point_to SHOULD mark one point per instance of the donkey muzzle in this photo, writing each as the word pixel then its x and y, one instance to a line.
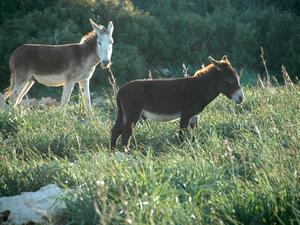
pixel 105 63
pixel 238 96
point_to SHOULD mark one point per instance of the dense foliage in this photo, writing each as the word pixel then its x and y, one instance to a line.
pixel 242 169
pixel 160 33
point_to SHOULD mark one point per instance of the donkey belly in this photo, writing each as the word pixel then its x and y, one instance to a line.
pixel 51 80
pixel 161 117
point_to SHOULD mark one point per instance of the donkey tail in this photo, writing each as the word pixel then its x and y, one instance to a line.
pixel 9 90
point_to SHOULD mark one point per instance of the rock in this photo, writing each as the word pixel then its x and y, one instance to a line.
pixel 32 102
pixel 165 72
pixel 39 207
pixel 99 101
pixel 2 102
pixel 160 72
pixel 44 101
pixel 48 101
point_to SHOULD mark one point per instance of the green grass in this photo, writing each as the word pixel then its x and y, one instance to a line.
pixel 243 168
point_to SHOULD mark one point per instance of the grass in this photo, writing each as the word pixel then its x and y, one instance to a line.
pixel 243 168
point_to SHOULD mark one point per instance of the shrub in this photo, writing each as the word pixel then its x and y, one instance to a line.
pixel 162 33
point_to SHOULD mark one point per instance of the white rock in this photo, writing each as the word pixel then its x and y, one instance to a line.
pixel 48 101
pixel 38 207
pixel 44 101
pixel 121 155
pixel 32 102
pixel 99 100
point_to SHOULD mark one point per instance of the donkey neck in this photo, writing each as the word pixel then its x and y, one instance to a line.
pixel 207 81
pixel 88 48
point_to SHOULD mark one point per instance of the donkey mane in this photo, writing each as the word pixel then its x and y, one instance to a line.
pixel 204 71
pixel 89 42
pixel 89 37
pixel 92 36
pixel 212 68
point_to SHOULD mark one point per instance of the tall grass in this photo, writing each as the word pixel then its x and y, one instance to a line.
pixel 243 167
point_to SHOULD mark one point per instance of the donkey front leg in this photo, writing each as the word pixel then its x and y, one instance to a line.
pixel 67 90
pixel 184 123
pixel 85 92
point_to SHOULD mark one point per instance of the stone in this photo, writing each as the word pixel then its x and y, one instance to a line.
pixel 2 102
pixel 39 207
pixel 48 101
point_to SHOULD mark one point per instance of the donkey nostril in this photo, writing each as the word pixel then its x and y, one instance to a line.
pixel 105 62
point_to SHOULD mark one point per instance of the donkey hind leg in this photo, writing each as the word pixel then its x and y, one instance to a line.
pixel 116 130
pixel 85 92
pixel 18 90
pixel 67 90
pixel 193 125
pixel 126 135
pixel 25 90
pixel 128 129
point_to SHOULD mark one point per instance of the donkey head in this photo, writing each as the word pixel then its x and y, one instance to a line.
pixel 229 83
pixel 104 42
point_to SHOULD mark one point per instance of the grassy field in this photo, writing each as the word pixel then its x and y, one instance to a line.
pixel 243 168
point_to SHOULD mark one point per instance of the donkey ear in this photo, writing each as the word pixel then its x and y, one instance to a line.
pixel 95 26
pixel 215 62
pixel 225 58
pixel 110 27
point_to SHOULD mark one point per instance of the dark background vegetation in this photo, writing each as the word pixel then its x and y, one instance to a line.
pixel 161 33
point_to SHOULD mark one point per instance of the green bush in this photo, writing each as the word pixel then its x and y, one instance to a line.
pixel 165 33
pixel 128 63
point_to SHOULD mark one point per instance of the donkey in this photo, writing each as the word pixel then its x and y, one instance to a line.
pixel 61 65
pixel 167 100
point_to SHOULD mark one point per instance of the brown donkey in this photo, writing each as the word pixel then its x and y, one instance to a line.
pixel 60 65
pixel 167 100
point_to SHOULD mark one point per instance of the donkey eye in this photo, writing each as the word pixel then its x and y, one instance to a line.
pixel 100 43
